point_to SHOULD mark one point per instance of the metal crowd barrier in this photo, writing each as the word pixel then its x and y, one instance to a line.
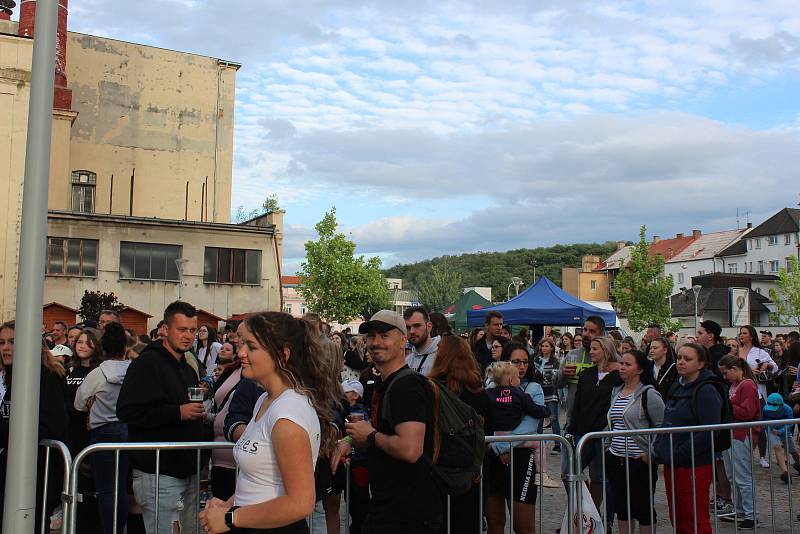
pixel 573 479
pixel 66 498
pixel 578 478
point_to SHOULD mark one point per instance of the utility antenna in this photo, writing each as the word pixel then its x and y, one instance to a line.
pixel 737 219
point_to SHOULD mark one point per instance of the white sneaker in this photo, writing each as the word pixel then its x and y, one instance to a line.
pixel 763 462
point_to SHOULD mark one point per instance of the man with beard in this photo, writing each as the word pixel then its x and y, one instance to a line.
pixel 423 353
pixel 154 401
pixel 403 497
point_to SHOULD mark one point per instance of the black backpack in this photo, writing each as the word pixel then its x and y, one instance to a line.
pixel 458 438
pixel 722 438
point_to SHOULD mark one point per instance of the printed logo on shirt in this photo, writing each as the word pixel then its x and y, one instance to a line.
pixel 74 380
pixel 505 396
pixel 249 446
pixel 5 409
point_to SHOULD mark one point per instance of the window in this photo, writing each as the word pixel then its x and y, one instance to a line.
pixel 701 273
pixel 232 266
pixel 149 261
pixel 772 240
pixel 287 308
pixel 751 266
pixel 787 239
pixel 758 243
pixel 774 265
pixel 71 257
pixel 761 266
pixel 83 184
pixel 593 285
pixel 680 278
pixel 788 265
pixel 733 267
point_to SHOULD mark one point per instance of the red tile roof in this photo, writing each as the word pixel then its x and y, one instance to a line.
pixel 290 280
pixel 670 247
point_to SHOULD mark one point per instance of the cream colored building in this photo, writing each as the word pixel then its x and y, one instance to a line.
pixel 141 172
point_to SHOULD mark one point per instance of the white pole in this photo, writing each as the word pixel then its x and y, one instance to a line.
pixel 20 496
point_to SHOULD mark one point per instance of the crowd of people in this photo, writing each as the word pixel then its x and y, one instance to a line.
pixel 299 402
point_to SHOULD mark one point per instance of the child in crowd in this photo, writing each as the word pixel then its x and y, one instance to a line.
pixel 774 410
pixel 510 405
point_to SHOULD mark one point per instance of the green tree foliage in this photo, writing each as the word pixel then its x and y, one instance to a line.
pixel 495 269
pixel 335 283
pixel 439 288
pixel 269 205
pixel 787 295
pixel 93 302
pixel 642 291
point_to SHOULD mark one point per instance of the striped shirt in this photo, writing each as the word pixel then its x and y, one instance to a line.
pixel 617 447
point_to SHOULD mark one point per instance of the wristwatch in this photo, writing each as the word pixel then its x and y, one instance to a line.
pixel 229 517
pixel 371 438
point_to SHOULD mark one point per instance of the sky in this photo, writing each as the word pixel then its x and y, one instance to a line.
pixel 440 127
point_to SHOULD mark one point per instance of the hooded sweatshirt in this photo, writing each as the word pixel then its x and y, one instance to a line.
pixel 715 354
pixel 422 362
pixel 155 387
pixel 103 383
pixel 678 412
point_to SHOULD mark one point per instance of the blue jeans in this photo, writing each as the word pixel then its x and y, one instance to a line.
pixel 739 469
pixel 177 502
pixel 104 476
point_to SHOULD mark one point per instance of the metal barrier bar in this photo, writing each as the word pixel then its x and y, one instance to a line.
pixel 66 496
pixel 738 474
pixel 566 448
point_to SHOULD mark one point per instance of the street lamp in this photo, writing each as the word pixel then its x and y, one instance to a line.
pixel 516 281
pixel 696 289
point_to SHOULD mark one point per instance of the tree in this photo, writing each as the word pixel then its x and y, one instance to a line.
pixel 786 297
pixel 642 291
pixel 269 205
pixel 439 289
pixel 335 283
pixel 93 302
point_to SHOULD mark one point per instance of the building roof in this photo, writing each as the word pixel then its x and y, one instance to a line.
pixel 290 280
pixel 786 221
pixel 707 246
pixel 712 299
pixel 209 314
pixel 102 218
pixel 131 309
pixel 668 248
pixel 59 305
pixel 617 260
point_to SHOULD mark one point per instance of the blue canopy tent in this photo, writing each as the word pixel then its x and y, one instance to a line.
pixel 544 303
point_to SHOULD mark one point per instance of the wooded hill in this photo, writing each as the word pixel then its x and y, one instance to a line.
pixel 495 269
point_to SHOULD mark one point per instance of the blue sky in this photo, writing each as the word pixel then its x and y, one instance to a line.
pixel 443 127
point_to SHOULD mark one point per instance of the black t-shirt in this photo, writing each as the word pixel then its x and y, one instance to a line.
pixel 403 493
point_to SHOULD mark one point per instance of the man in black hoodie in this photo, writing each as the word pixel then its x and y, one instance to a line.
pixel 154 401
pixel 709 334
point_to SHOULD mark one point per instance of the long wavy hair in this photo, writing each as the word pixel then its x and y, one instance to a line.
pixel 309 370
pixel 456 365
pixel 96 357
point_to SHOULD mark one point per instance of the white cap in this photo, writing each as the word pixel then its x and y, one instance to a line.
pixel 353 385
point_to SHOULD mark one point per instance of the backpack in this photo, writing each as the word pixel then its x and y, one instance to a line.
pixel 722 438
pixel 458 446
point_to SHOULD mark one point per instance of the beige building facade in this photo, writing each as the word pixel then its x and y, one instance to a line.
pixel 141 163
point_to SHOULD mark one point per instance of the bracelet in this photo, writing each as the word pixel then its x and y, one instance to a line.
pixel 371 438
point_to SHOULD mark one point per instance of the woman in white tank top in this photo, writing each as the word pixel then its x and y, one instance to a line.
pixel 277 452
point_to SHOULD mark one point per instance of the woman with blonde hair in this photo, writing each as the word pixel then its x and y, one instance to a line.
pixel 590 408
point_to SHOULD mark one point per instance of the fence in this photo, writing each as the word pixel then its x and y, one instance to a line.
pixel 66 457
pixel 730 455
pixel 573 478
